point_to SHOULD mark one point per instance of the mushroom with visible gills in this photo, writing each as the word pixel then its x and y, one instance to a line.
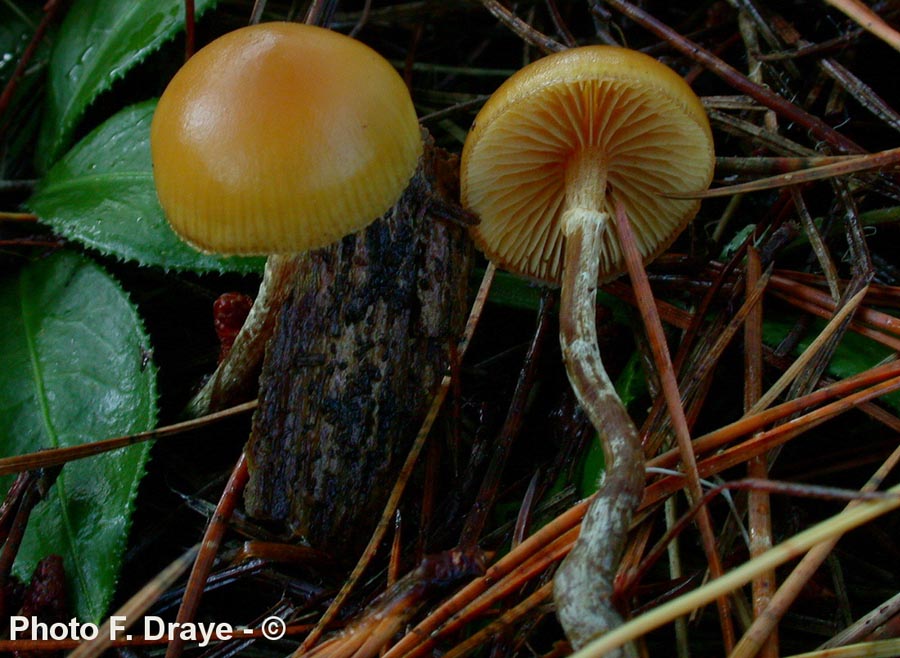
pixel 551 154
pixel 276 139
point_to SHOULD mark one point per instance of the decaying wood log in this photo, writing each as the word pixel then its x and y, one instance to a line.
pixel 359 347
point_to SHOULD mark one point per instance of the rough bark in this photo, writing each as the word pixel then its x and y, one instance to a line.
pixel 359 347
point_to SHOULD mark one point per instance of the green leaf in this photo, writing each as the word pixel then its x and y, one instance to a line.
pixel 870 220
pixel 512 291
pixel 102 195
pixel 99 41
pixel 76 369
pixel 735 243
pixel 854 355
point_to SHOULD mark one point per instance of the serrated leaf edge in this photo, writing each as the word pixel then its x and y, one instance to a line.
pixel 64 136
pixel 152 414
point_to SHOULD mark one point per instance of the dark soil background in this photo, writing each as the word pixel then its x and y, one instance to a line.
pixel 453 54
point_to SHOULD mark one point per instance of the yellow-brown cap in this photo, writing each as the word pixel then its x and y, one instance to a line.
pixel 624 106
pixel 281 137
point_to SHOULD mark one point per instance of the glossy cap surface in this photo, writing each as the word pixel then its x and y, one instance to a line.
pixel 282 137
pixel 632 111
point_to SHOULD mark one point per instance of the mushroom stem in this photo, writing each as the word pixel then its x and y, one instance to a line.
pixel 583 585
pixel 585 187
pixel 236 375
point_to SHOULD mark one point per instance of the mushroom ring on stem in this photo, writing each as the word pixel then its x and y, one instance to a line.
pixel 549 157
pixel 276 139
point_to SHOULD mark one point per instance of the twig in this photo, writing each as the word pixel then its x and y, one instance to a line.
pixel 748 484
pixel 878 295
pixel 50 10
pixel 397 492
pixel 484 594
pixel 18 217
pixel 765 441
pixel 676 572
pixel 759 513
pixel 392 609
pixel 865 624
pixel 818 245
pixel 541 546
pixel 792 288
pixel 673 401
pixel 766 623
pixel 836 526
pixel 809 353
pixel 212 539
pixel 554 539
pixel 862 93
pixel 57 456
pixel 868 20
pixel 560 24
pixel 522 29
pixel 733 77
pixel 501 624
pixel 363 18
pixel 873 161
pixel 137 605
pixel 487 494
pixel 843 391
pixel 877 649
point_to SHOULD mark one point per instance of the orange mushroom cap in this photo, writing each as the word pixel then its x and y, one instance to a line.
pixel 282 137
pixel 636 115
